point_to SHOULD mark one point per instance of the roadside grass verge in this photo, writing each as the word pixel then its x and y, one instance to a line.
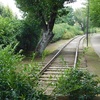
pixel 93 61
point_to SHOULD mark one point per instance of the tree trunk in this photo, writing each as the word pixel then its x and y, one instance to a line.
pixel 47 34
pixel 82 27
pixel 46 38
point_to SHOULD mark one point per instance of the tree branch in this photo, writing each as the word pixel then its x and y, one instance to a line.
pixel 43 22
pixel 52 19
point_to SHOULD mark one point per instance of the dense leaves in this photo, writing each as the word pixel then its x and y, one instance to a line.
pixel 45 11
pixel 65 31
pixel 8 26
pixel 95 12
pixel 78 85
pixel 8 31
pixel 81 18
pixel 65 15
pixel 5 12
pixel 40 8
pixel 28 36
pixel 12 30
pixel 16 84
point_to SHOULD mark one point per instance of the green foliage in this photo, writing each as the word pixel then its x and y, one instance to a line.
pixel 45 53
pixel 28 36
pixel 45 6
pixel 25 32
pixel 67 35
pixel 5 12
pixel 80 18
pixel 65 15
pixel 8 29
pixel 65 31
pixel 15 84
pixel 58 31
pixel 8 26
pixel 45 12
pixel 97 29
pixel 92 30
pixel 95 12
pixel 42 10
pixel 78 85
pixel 7 57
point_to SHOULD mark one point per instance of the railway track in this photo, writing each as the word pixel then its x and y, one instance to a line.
pixel 66 57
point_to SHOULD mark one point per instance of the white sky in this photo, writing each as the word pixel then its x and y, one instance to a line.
pixel 11 4
pixel 77 4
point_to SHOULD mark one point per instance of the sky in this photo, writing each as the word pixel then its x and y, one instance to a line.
pixel 77 4
pixel 12 6
pixel 16 11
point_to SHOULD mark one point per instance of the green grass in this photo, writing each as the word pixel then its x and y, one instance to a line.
pixel 93 61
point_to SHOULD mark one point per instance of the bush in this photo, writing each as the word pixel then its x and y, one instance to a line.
pixel 65 31
pixel 58 31
pixel 67 35
pixel 28 37
pixel 7 30
pixel 8 26
pixel 15 84
pixel 78 85
pixel 27 33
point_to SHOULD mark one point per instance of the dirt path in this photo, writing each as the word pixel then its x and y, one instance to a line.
pixel 55 46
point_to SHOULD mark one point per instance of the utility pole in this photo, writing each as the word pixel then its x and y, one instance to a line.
pixel 87 30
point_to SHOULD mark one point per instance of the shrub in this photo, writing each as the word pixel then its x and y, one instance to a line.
pixel 65 31
pixel 8 29
pixel 67 35
pixel 79 85
pixel 58 31
pixel 28 37
pixel 16 84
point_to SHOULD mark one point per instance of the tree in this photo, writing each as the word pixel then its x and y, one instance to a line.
pixel 65 15
pixel 95 12
pixel 45 11
pixel 80 18
pixel 5 12
pixel 27 36
pixel 8 26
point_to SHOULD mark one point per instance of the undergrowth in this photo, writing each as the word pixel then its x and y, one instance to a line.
pixel 65 31
pixel 17 83
pixel 78 85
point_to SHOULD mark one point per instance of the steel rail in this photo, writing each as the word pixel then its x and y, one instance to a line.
pixel 50 70
pixel 77 51
pixel 47 65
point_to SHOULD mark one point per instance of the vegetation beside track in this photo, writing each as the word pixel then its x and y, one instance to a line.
pixel 65 31
pixel 17 81
pixel 77 85
pixel 93 60
pixel 93 67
